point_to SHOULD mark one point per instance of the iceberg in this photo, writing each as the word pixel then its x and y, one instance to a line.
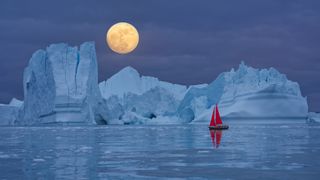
pixel 265 93
pixel 61 86
pixel 134 99
pixel 110 111
pixel 128 80
pixel 9 114
pixel 16 102
pixel 199 99
pixel 155 103
pixel 247 93
pixel 313 117
pixel 135 108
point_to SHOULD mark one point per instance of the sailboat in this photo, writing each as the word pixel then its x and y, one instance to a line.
pixel 216 122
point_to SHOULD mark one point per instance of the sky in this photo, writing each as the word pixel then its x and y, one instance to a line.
pixel 186 42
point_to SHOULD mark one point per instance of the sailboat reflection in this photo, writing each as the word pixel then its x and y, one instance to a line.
pixel 216 136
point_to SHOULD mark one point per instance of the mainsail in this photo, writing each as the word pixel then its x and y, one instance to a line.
pixel 218 118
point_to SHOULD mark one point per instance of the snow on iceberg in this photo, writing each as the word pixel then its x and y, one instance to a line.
pixel 248 93
pixel 61 85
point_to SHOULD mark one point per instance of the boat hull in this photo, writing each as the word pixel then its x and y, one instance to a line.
pixel 221 127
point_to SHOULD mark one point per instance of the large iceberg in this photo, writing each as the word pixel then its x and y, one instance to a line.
pixel 246 93
pixel 61 86
pixel 135 99
pixel 264 93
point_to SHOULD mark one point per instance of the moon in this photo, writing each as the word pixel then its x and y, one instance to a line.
pixel 122 38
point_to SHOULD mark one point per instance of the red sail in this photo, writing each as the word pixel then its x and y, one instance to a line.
pixel 213 123
pixel 218 118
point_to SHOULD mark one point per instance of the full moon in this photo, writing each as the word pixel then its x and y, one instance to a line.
pixel 122 38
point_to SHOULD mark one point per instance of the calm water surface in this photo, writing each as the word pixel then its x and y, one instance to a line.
pixel 248 150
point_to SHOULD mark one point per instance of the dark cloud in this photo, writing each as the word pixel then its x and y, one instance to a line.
pixel 186 42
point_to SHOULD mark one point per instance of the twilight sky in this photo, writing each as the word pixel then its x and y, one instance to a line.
pixel 186 41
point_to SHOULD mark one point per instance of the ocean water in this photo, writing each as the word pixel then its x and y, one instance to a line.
pixel 248 150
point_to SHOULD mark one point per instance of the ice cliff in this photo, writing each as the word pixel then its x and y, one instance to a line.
pixel 61 86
